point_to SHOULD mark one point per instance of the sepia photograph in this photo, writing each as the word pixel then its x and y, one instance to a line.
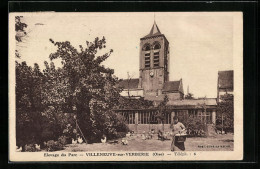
pixel 125 86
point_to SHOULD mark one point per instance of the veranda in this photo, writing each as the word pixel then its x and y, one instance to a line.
pixel 140 120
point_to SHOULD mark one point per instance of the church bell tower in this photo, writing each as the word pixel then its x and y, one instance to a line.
pixel 154 62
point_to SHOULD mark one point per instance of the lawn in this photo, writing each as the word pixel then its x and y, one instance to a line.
pixel 135 143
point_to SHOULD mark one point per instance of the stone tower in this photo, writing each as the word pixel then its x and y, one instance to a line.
pixel 154 62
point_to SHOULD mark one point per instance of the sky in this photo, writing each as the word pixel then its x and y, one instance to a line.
pixel 201 43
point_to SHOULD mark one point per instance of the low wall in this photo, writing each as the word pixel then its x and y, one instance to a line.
pixel 140 128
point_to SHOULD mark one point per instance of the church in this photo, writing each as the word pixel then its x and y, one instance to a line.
pixel 153 84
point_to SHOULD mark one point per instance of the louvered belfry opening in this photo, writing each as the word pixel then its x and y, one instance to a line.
pixel 147 60
pixel 156 59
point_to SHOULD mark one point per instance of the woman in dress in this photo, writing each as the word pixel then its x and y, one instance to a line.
pixel 177 127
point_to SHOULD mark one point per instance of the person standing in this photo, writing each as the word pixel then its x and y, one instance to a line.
pixel 177 127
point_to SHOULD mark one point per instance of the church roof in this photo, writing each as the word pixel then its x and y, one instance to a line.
pixel 129 84
pixel 155 31
pixel 173 86
pixel 225 79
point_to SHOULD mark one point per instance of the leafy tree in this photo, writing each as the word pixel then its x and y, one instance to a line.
pixel 19 28
pixel 162 110
pixel 195 127
pixel 28 103
pixel 225 113
pixel 90 86
pixel 20 32
pixel 47 101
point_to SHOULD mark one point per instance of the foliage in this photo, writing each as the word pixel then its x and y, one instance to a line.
pixel 225 108
pixel 53 145
pixel 29 148
pixel 90 87
pixel 19 28
pixel 162 111
pixel 129 103
pixel 28 103
pixel 194 126
pixel 63 140
pixel 49 102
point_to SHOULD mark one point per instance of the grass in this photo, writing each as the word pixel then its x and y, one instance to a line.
pixel 135 143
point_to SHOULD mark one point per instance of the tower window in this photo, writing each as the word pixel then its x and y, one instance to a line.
pixel 156 59
pixel 147 60
pixel 157 46
pixel 147 47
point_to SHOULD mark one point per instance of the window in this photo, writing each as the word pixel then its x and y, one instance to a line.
pixel 168 118
pixel 157 46
pixel 209 116
pixel 205 116
pixel 156 59
pixel 147 60
pixel 146 47
pixel 193 113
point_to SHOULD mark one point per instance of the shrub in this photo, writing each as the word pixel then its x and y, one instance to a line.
pixel 120 134
pixel 63 140
pixel 117 127
pixel 29 148
pixel 53 145
pixel 194 126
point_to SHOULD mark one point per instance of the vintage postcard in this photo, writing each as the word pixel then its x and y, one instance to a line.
pixel 125 86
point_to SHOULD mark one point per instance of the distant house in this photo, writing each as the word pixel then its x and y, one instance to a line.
pixel 225 83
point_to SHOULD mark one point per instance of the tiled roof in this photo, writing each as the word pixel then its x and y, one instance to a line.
pixel 193 102
pixel 225 79
pixel 171 86
pixel 129 84
pixel 154 98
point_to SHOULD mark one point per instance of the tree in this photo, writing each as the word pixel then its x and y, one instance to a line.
pixel 20 32
pixel 225 113
pixel 19 28
pixel 162 110
pixel 91 86
pixel 204 107
pixel 28 103
pixel 189 96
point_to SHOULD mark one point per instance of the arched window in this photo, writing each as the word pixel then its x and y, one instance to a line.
pixel 156 45
pixel 146 47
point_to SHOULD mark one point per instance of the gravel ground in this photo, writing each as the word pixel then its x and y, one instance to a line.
pixel 135 143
